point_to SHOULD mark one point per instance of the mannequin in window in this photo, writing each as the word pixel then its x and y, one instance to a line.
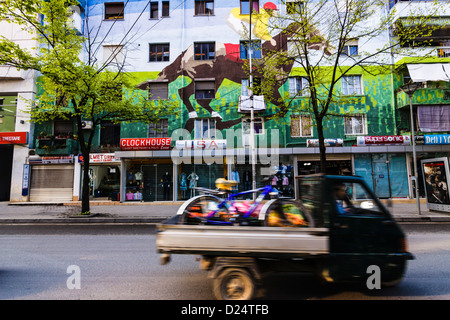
pixel 235 177
pixel 183 185
pixel 166 180
pixel 247 180
pixel 193 177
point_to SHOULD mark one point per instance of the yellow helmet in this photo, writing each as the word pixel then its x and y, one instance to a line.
pixel 223 184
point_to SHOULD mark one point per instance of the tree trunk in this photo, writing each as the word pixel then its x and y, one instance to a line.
pixel 322 148
pixel 85 186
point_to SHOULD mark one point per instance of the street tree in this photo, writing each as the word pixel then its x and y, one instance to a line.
pixel 72 85
pixel 330 39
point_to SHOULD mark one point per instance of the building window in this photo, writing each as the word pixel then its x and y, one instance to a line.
pixel 301 126
pixel 204 50
pixel 245 87
pixel 205 90
pixel 351 48
pixel 153 10
pixel 204 7
pixel 165 9
pixel 205 129
pixel 114 10
pixel 159 52
pixel 109 133
pixel 256 46
pixel 245 6
pixel 298 86
pixel 351 85
pixel 62 127
pixel 158 91
pixel 258 124
pixel 355 124
pixel 159 129
pixel 113 54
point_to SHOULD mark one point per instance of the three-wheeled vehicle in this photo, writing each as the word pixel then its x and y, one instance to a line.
pixel 351 232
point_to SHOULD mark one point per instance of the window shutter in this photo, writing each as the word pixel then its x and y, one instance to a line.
pixel 158 91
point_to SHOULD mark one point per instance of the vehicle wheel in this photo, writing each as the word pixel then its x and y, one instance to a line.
pixel 288 213
pixel 234 284
pixel 395 278
pixel 199 208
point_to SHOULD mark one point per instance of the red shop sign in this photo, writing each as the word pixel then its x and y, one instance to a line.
pixel 13 137
pixel 133 144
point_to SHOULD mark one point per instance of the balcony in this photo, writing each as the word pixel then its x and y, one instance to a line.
pixel 406 9
pixel 11 73
pixel 425 96
pixel 443 52
pixel 60 145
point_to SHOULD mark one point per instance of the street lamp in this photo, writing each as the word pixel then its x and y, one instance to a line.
pixel 409 89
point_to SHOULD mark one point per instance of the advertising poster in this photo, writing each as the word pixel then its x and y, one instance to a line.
pixel 436 177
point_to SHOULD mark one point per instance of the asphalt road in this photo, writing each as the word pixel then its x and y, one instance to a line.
pixel 121 262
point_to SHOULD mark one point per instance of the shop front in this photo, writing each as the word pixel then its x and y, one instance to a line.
pixel 51 178
pixel 104 176
pixel 148 179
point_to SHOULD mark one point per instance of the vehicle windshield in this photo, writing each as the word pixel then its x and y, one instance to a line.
pixel 354 198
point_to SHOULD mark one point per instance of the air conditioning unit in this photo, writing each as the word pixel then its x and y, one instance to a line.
pixel 86 124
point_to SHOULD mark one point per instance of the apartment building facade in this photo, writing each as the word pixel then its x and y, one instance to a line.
pixel 193 52
pixel 17 89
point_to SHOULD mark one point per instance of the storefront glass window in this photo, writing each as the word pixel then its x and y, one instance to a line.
pixel 149 181
pixel 104 182
pixel 198 175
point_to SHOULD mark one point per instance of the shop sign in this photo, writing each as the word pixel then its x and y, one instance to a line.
pixel 13 137
pixel 382 140
pixel 328 142
pixel 134 144
pixel 58 159
pixel 99 157
pixel 51 159
pixel 437 139
pixel 25 179
pixel 201 144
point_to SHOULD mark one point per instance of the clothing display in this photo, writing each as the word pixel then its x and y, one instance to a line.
pixel 193 177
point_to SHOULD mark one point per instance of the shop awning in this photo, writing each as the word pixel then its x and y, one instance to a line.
pixel 429 72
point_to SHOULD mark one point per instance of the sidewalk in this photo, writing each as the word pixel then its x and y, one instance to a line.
pixel 404 211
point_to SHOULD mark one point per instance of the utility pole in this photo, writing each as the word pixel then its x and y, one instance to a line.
pixel 409 89
pixel 252 114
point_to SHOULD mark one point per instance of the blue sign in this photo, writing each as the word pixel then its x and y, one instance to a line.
pixel 25 179
pixel 437 138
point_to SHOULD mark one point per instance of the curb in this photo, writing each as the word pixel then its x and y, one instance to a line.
pixel 156 220
pixel 93 220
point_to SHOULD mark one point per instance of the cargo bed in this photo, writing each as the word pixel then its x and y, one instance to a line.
pixel 242 241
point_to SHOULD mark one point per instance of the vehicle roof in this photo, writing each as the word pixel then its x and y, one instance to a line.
pixel 331 177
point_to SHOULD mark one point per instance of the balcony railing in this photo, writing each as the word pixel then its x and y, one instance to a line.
pixel 56 146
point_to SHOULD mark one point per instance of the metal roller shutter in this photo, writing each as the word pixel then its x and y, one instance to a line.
pixel 53 183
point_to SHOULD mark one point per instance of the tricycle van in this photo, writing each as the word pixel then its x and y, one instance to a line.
pixel 351 233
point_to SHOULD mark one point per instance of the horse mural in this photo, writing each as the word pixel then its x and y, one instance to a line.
pixel 226 65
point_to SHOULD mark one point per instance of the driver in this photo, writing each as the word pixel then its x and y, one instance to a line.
pixel 342 201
